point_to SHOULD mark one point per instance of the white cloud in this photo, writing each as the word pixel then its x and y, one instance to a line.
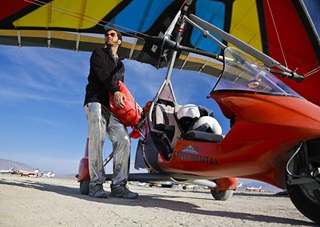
pixel 39 74
pixel 47 65
pixel 14 95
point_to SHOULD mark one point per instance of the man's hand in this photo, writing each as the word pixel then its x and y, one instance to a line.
pixel 135 134
pixel 119 99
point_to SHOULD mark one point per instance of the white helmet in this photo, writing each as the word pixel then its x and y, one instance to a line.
pixel 187 115
pixel 207 124
pixel 189 110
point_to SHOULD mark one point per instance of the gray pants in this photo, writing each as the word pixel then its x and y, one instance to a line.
pixel 101 123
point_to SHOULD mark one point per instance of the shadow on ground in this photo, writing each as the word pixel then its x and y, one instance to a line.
pixel 155 201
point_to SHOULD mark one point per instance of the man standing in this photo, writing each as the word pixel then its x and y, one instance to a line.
pixel 105 70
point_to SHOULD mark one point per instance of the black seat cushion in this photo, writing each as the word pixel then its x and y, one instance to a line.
pixel 203 136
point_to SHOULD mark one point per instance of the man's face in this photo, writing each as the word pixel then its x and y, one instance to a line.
pixel 111 38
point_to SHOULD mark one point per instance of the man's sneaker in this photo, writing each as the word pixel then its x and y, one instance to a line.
pixel 97 191
pixel 122 191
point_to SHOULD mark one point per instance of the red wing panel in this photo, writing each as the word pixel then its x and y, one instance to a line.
pixel 286 33
pixel 11 8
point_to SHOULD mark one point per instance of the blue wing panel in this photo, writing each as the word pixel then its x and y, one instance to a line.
pixel 140 15
pixel 313 8
pixel 213 12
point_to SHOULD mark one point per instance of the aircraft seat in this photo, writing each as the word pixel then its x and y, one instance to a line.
pixel 165 121
pixel 166 128
pixel 203 136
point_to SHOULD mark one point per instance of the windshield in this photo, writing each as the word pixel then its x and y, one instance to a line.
pixel 242 73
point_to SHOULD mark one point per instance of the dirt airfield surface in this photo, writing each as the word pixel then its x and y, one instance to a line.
pixel 29 201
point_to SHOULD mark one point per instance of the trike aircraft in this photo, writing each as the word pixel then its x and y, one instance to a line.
pixel 265 55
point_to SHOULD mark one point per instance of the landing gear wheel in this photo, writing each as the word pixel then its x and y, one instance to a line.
pixel 84 187
pixel 305 200
pixel 303 179
pixel 222 195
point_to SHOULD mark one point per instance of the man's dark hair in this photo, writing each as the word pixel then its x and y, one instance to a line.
pixel 113 29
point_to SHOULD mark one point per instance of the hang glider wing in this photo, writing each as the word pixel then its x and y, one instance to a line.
pixel 286 30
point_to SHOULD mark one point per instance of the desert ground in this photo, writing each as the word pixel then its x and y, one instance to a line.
pixel 30 201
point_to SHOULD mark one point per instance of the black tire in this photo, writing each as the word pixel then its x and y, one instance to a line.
pixel 305 195
pixel 84 187
pixel 222 195
pixel 303 200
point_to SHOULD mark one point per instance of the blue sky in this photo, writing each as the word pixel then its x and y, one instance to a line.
pixel 41 99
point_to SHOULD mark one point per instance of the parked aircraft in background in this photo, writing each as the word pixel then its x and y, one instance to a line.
pixel 49 174
pixel 190 186
pixel 167 184
pixel 254 189
pixel 3 171
pixel 35 173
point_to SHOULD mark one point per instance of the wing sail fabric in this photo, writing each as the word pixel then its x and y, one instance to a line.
pixel 286 30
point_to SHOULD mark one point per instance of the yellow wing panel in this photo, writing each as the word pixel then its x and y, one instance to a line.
pixel 68 14
pixel 245 23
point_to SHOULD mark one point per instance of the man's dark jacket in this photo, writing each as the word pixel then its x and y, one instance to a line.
pixel 104 73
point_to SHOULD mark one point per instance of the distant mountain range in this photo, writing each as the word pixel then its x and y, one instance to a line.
pixel 7 164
